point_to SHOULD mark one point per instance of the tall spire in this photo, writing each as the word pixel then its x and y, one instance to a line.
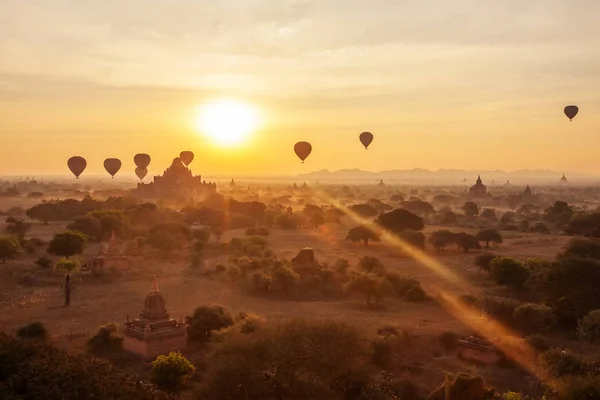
pixel 154 288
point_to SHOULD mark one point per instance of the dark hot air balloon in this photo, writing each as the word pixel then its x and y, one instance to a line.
pixel 571 111
pixel 141 160
pixel 186 157
pixel 302 150
pixel 141 173
pixel 112 166
pixel 77 165
pixel 366 138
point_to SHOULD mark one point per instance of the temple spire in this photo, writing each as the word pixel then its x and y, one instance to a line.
pixel 154 288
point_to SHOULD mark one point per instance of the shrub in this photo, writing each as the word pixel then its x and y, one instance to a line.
pixel 406 288
pixel 584 248
pixel 382 352
pixel 501 309
pixel 561 362
pixel 44 262
pixel 509 272
pixel 539 227
pixel 371 286
pixel 538 343
pixel 35 330
pixel 483 261
pixel 577 388
pixel 489 235
pixel 170 372
pixel 250 322
pixel 534 318
pixel 105 341
pixel 235 245
pixel 370 264
pixel 207 319
pixel 449 340
pixel 589 327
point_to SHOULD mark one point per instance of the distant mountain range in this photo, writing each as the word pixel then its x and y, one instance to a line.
pixel 446 176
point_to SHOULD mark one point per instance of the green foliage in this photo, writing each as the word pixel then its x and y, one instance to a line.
pixel 559 214
pixel 461 386
pixel 585 224
pixel 18 228
pixel 539 227
pixel 67 244
pixel 250 322
pixel 370 264
pixel 260 231
pixel 418 206
pixel 534 318
pixel 105 341
pixel 583 248
pixel 364 210
pixel 399 220
pixel 571 288
pixel 67 265
pixel 466 241
pixel 538 343
pixel 559 363
pixel 36 370
pixel 201 235
pixel 286 221
pixel 89 225
pixel 471 209
pixel 10 247
pixel 488 213
pixel 509 272
pixel 484 261
pixel 295 361
pixel 412 238
pixel 44 262
pixel 46 212
pixel 34 330
pixel 373 287
pixel 489 235
pixel 589 327
pixel 362 234
pixel 171 372
pixel 575 387
pixel 207 319
pixel 163 241
pixel 441 239
pixel 406 288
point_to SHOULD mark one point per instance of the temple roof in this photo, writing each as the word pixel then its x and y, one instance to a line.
pixel 154 305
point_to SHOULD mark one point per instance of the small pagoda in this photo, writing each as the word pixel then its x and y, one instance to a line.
pixel 154 332
pixel 563 179
pixel 479 190
pixel 113 257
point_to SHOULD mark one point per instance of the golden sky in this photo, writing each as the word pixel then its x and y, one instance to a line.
pixel 468 84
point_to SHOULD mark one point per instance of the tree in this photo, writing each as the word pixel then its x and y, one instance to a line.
pixel 418 206
pixel 18 228
pixel 363 234
pixel 364 210
pixel 105 341
pixel 371 286
pixel 540 227
pixel 441 239
pixel 534 318
pixel 571 288
pixel 488 213
pixel 207 319
pixel 489 235
pixel 45 212
pixel 34 330
pixel 585 224
pixel 508 217
pixel 400 219
pixel 89 225
pixel 164 241
pixel 470 209
pixel 67 266
pixel 466 241
pixel 559 213
pixel 483 261
pixel 9 247
pixel 170 372
pixel 509 272
pixel 412 238
pixel 67 244
pixel 202 235
pixel 370 265
pixel 589 327
pixel 582 248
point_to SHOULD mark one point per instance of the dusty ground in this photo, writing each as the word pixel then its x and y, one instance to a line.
pixel 96 302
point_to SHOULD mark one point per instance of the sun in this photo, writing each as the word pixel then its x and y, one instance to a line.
pixel 226 122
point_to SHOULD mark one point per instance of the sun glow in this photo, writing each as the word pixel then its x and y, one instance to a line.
pixel 227 122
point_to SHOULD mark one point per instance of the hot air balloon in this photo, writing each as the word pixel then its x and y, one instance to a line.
pixel 302 150
pixel 366 138
pixel 112 166
pixel 141 173
pixel 141 160
pixel 77 165
pixel 186 157
pixel 571 111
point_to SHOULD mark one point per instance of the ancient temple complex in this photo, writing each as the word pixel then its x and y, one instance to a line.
pixel 113 256
pixel 154 332
pixel 563 179
pixel 176 181
pixel 528 196
pixel 479 190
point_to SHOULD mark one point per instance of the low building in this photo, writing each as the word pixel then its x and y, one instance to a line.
pixel 113 257
pixel 154 332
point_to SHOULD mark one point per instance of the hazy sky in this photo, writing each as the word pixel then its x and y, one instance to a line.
pixel 470 84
